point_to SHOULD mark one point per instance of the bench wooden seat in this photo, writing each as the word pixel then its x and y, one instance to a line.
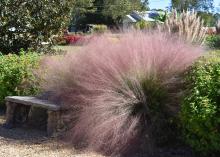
pixel 53 111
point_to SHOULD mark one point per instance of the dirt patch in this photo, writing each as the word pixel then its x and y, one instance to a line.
pixel 26 142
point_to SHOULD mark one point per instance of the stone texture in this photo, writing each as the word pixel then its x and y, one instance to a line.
pixel 33 101
pixel 37 118
pixel 29 109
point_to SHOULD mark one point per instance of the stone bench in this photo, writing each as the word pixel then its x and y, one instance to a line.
pixel 53 111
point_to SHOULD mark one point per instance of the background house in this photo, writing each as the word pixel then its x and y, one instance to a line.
pixel 136 16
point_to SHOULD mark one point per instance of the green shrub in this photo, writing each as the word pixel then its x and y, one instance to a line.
pixel 17 76
pixel 200 112
pixel 99 28
pixel 30 23
pixel 144 25
pixel 213 41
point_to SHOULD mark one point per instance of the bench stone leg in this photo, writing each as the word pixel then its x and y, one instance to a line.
pixel 10 115
pixel 52 122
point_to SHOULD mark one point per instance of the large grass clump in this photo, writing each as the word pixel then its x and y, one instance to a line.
pixel 119 92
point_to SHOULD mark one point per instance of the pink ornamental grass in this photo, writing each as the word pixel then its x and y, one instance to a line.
pixel 108 85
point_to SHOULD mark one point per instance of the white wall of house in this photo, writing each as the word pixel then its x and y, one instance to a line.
pixel 135 16
pixel 128 22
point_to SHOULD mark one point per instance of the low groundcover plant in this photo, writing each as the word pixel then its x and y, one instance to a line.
pixel 118 92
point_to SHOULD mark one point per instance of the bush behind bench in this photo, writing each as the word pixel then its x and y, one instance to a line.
pixel 17 74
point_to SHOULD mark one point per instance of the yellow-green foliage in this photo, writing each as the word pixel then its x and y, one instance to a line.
pixel 144 25
pixel 16 74
pixel 99 28
pixel 200 113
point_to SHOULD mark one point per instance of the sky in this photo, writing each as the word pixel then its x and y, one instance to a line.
pixel 162 4
pixel 159 4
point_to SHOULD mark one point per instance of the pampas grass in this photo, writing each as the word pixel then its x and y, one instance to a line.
pixel 187 25
pixel 115 91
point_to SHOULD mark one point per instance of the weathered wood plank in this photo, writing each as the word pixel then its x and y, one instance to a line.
pixel 33 101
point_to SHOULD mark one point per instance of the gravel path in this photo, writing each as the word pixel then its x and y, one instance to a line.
pixel 24 142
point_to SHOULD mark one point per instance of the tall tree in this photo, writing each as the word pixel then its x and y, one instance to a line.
pixel 199 5
pixel 209 18
pixel 112 11
pixel 80 8
pixel 117 9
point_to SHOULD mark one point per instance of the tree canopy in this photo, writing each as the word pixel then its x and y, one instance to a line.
pixel 105 11
pixel 199 5
pixel 81 7
pixel 29 23
pixel 208 18
pixel 117 9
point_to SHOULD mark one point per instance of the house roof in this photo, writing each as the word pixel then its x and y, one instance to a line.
pixel 130 18
pixel 147 16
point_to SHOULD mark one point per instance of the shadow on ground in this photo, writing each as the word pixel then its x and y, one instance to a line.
pixel 25 134
pixel 28 137
pixel 28 142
